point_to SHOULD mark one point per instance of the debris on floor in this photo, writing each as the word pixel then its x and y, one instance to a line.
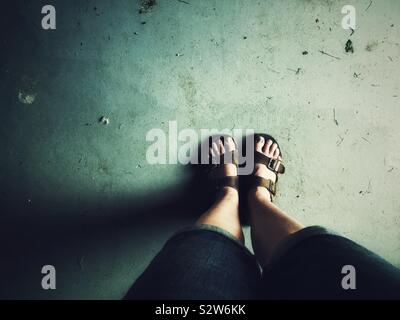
pixel 339 142
pixel 26 93
pixel 349 46
pixel 368 190
pixel 329 55
pixel 146 5
pixel 297 72
pixel 305 53
pixel 26 98
pixel 370 4
pixel 371 46
pixel 334 117
pixel 104 120
pixel 366 140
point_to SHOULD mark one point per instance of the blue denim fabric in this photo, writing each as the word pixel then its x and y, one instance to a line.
pixel 202 262
pixel 308 265
pixel 206 262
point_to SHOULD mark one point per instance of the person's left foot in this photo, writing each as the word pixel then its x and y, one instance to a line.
pixel 271 150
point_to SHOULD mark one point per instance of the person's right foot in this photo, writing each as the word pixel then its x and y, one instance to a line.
pixel 225 169
pixel 271 150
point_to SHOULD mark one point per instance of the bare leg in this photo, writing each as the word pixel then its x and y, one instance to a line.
pixel 224 213
pixel 269 224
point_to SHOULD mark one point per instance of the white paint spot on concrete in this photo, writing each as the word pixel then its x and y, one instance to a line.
pixel 26 98
pixel 104 120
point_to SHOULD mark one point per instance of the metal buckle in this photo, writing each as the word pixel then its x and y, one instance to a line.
pixel 272 187
pixel 273 164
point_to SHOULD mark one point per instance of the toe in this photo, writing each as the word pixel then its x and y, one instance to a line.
pixel 273 149
pixel 267 147
pixel 276 153
pixel 215 149
pixel 259 143
pixel 212 153
pixel 221 147
pixel 230 144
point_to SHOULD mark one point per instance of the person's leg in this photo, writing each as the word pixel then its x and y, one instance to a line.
pixel 308 263
pixel 224 213
pixel 269 224
pixel 207 261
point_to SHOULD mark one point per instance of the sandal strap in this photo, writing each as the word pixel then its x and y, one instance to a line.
pixel 257 181
pixel 274 165
pixel 231 181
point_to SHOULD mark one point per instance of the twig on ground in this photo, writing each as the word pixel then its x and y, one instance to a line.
pixel 334 117
pixel 327 54
pixel 366 140
pixel 370 4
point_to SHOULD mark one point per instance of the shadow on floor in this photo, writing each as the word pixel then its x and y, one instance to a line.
pixel 30 242
pixel 34 236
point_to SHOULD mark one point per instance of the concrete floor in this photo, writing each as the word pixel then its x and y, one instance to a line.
pixel 80 195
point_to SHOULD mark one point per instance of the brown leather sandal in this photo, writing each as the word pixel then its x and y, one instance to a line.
pixel 219 183
pixel 251 181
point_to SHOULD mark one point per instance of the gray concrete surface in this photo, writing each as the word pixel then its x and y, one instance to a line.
pixel 80 195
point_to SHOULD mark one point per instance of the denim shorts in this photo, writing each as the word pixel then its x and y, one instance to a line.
pixel 207 263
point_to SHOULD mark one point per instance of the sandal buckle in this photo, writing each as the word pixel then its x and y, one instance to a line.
pixel 273 164
pixel 272 187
